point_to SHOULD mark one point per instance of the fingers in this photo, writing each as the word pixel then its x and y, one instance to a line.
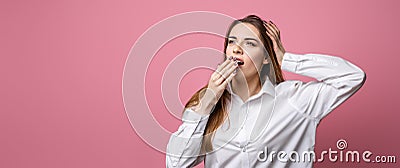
pixel 227 67
pixel 278 35
pixel 274 33
pixel 222 66
pixel 227 80
pixel 275 45
pixel 223 72
pixel 272 30
pixel 226 73
pixel 217 73
pixel 276 29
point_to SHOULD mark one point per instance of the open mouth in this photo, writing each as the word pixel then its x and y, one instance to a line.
pixel 239 62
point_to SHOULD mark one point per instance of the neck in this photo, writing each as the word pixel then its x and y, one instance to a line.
pixel 245 87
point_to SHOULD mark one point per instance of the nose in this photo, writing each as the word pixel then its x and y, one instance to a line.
pixel 237 49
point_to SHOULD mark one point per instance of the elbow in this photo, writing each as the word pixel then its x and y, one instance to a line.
pixel 364 77
pixel 360 78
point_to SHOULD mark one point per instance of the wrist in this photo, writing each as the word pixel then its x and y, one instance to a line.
pixel 280 60
pixel 204 107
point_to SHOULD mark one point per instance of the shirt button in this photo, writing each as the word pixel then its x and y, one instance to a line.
pixel 244 149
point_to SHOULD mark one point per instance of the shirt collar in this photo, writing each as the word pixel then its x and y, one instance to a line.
pixel 267 87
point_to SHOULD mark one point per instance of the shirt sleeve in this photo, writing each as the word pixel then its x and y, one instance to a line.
pixel 337 80
pixel 183 149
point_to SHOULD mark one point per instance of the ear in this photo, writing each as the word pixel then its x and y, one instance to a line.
pixel 266 61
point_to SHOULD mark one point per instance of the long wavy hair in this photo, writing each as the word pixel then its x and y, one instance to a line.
pixel 219 112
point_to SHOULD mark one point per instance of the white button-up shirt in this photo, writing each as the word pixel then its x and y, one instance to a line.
pixel 271 127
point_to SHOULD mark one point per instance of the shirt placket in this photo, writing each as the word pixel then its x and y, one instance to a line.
pixel 244 137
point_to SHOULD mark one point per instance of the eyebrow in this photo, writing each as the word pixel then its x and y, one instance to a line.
pixel 248 38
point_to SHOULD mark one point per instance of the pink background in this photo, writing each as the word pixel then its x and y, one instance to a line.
pixel 61 75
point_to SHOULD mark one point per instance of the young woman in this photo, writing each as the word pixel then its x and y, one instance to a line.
pixel 248 116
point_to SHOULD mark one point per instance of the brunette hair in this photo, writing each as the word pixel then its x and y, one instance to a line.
pixel 219 112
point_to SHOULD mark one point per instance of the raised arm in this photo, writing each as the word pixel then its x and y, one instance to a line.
pixel 337 80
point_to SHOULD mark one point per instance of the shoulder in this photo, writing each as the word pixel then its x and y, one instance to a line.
pixel 298 93
pixel 290 88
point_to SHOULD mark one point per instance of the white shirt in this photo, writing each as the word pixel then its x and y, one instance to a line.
pixel 281 118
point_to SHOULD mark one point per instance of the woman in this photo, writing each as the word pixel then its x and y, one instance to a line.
pixel 248 116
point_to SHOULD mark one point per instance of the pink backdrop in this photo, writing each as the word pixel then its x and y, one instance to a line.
pixel 62 63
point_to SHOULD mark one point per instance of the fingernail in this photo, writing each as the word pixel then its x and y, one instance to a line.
pixel 230 58
pixel 235 71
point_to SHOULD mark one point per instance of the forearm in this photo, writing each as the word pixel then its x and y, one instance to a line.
pixel 331 70
pixel 185 144
pixel 337 80
pixel 206 105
